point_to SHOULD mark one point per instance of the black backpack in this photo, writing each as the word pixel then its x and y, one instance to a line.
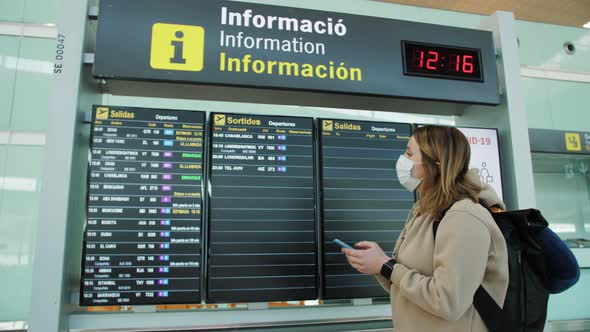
pixel 525 306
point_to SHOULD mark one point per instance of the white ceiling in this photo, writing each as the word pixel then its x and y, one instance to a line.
pixel 563 12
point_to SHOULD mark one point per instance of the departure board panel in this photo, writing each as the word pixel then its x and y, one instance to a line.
pixel 362 198
pixel 142 243
pixel 262 231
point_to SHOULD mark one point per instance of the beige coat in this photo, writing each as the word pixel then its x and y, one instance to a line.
pixel 432 287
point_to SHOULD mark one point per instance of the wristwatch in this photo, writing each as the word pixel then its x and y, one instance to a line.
pixel 387 268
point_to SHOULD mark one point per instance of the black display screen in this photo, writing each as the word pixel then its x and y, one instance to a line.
pixel 262 231
pixel 440 61
pixel 142 243
pixel 362 198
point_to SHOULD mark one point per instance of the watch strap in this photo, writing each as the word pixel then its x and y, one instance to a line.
pixel 387 268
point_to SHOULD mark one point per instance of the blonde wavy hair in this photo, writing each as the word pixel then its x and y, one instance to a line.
pixel 446 154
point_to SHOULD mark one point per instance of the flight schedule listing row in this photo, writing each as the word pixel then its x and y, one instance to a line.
pixel 142 242
pixel 362 199
pixel 262 235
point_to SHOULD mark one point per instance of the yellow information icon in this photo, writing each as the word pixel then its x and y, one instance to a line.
pixel 327 125
pixel 177 47
pixel 219 119
pixel 573 142
pixel 102 113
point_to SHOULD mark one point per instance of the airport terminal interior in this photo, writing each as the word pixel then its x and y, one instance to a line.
pixel 185 165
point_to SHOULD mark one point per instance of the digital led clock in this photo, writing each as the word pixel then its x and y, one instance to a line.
pixel 441 61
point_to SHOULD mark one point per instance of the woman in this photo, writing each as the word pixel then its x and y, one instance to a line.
pixel 432 282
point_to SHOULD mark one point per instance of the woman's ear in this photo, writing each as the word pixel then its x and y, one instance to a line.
pixel 436 169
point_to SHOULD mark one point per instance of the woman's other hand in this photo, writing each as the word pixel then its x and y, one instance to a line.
pixel 368 258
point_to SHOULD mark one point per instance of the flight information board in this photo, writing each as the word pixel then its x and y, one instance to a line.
pixel 362 198
pixel 262 231
pixel 142 243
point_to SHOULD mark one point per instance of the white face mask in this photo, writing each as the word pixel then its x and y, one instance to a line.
pixel 404 173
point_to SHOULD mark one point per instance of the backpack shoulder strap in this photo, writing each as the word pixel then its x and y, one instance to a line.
pixel 489 311
pixel 436 223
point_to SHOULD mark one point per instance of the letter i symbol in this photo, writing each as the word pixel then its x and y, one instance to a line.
pixel 169 43
pixel 178 49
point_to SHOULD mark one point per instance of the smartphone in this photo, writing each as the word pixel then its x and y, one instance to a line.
pixel 342 244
